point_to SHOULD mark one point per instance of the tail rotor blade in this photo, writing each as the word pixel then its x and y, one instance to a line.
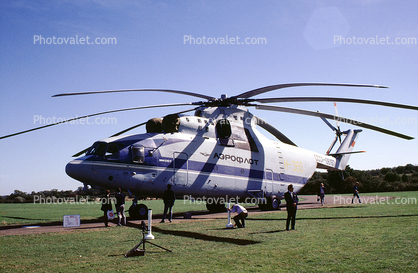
pixel 332 145
pixel 337 123
pixel 328 123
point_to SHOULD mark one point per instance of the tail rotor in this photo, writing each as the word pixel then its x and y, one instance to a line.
pixel 335 128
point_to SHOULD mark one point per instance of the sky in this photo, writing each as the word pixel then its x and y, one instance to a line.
pixel 52 47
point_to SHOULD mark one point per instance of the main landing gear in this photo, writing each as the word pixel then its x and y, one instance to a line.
pixel 138 211
pixel 273 203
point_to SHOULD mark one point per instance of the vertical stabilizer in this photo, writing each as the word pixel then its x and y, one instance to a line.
pixel 344 151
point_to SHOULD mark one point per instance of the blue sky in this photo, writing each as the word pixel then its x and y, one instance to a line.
pixel 300 41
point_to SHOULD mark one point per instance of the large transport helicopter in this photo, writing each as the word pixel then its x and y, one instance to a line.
pixel 217 154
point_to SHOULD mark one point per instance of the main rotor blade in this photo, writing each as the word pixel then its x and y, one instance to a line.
pixel 126 130
pixel 272 130
pixel 138 125
pixel 138 90
pixel 320 99
pixel 117 134
pixel 262 90
pixel 97 114
pixel 341 119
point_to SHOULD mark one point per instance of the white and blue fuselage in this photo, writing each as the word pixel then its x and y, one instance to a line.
pixel 199 163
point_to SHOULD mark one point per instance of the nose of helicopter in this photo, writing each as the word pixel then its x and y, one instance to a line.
pixel 74 169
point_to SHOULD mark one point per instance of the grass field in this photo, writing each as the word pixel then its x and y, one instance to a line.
pixel 352 238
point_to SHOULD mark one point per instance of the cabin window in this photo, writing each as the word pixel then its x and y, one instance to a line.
pixel 223 129
pixel 138 154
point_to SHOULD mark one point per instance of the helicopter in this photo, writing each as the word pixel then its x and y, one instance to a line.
pixel 217 154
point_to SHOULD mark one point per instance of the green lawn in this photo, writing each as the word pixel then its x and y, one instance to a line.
pixel 352 238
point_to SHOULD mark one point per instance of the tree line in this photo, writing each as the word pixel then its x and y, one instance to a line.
pixel 22 197
pixel 401 178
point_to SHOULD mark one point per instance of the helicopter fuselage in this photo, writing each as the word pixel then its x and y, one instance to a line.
pixel 197 162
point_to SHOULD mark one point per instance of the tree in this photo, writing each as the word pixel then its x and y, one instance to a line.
pixel 384 171
pixel 392 177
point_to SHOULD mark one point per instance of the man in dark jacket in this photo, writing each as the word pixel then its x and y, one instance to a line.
pixel 120 207
pixel 168 197
pixel 355 193
pixel 291 206
pixel 106 206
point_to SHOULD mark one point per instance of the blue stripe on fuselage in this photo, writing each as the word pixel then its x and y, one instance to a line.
pixel 250 173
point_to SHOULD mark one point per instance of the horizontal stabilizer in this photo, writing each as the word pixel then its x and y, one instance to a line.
pixel 347 153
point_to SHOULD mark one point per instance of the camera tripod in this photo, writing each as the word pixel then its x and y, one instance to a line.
pixel 135 252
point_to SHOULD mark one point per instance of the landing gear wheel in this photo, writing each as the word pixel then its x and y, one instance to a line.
pixel 138 212
pixel 273 203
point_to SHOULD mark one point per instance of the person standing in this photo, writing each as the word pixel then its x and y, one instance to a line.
pixel 291 206
pixel 321 194
pixel 106 206
pixel 242 213
pixel 168 197
pixel 120 207
pixel 355 193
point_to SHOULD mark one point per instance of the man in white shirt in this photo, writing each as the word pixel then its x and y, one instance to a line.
pixel 241 215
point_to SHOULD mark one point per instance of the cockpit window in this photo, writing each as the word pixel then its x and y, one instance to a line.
pixel 97 149
pixel 107 151
pixel 112 152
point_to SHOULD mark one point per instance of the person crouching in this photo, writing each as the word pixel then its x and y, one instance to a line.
pixel 241 215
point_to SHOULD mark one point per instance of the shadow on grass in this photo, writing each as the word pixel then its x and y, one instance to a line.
pixel 23 218
pixel 336 218
pixel 199 236
pixel 45 224
pixel 271 231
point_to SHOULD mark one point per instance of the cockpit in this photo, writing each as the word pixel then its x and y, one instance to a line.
pixel 108 151
pixel 128 150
